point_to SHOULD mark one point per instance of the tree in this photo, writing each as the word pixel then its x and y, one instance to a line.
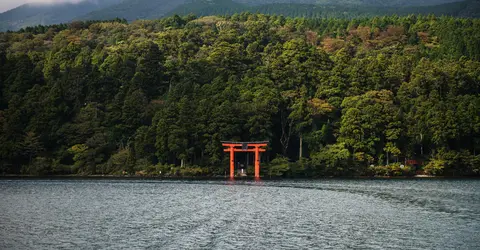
pixel 31 146
pixel 370 124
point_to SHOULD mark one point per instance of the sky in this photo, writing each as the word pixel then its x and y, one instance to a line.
pixel 10 4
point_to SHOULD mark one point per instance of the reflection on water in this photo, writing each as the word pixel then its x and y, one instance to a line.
pixel 407 214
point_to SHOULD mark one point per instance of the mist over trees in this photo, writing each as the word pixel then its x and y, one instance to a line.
pixel 333 96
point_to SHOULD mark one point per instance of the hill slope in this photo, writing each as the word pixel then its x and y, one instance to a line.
pixel 221 7
pixel 150 9
pixel 134 9
pixel 45 14
pixel 353 2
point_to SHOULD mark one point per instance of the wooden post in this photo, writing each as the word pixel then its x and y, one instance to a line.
pixel 257 163
pixel 232 162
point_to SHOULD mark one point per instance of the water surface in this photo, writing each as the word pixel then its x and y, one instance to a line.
pixel 336 214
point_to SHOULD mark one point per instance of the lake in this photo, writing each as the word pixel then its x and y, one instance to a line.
pixel 320 214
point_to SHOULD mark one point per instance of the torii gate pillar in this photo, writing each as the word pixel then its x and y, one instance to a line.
pixel 257 162
pixel 256 147
pixel 232 162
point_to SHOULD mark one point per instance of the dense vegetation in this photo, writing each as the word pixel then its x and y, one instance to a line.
pixel 333 96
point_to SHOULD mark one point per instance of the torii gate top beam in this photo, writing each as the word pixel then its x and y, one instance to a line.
pixel 240 144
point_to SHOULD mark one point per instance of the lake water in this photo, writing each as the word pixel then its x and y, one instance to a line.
pixel 321 214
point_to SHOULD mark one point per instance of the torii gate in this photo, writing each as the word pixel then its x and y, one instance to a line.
pixel 233 147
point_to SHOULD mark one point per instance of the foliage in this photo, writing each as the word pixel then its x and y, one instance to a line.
pixel 396 169
pixel 38 166
pixel 435 167
pixel 338 95
pixel 453 163
pixel 333 160
pixel 119 162
pixel 278 167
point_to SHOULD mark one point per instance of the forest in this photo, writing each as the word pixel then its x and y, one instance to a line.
pixel 373 96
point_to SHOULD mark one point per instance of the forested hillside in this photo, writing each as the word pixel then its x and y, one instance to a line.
pixel 469 8
pixel 153 9
pixel 333 96
pixel 57 12
pixel 135 9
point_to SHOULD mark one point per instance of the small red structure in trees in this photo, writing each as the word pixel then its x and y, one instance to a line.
pixel 412 162
pixel 233 147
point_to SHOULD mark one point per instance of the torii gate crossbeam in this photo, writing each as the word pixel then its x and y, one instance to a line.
pixel 233 147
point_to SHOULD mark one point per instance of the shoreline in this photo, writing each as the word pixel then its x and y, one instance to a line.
pixel 117 177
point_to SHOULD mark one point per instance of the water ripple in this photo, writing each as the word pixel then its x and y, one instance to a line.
pixel 324 214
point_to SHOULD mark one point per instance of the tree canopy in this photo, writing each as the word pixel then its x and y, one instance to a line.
pixel 333 96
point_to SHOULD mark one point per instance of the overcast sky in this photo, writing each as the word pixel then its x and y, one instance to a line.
pixel 10 4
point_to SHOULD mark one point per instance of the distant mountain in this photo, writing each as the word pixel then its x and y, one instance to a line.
pixel 152 9
pixel 212 7
pixel 49 13
pixel 45 14
pixel 134 9
pixel 470 8
pixel 346 3
pixel 466 9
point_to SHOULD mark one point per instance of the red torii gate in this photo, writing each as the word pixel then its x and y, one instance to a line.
pixel 256 147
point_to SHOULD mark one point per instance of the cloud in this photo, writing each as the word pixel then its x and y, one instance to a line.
pixel 10 4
